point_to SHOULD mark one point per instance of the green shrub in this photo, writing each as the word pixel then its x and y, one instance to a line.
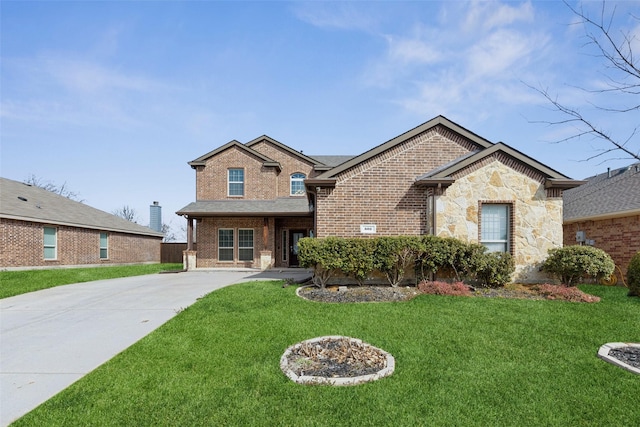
pixel 633 276
pixel 572 263
pixel 358 259
pixel 325 256
pixel 493 269
pixel 393 255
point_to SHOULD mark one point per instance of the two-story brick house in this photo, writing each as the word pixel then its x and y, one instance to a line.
pixel 256 200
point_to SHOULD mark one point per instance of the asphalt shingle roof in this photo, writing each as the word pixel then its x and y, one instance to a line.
pixel 283 206
pixel 604 195
pixel 25 202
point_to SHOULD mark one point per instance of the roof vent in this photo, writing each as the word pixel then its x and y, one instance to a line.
pixel 24 199
pixel 608 172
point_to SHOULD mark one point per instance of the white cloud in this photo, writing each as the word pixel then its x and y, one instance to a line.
pixel 501 51
pixel 464 65
pixel 85 76
pixel 338 15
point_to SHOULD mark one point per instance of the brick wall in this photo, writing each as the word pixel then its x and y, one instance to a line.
pixel 619 237
pixel 261 183
pixel 380 191
pixel 22 243
pixel 207 238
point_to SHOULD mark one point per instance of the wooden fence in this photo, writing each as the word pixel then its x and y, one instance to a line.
pixel 172 252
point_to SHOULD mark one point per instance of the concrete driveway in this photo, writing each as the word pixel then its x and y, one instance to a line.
pixel 51 338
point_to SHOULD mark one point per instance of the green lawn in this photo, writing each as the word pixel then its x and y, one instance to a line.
pixel 459 361
pixel 20 282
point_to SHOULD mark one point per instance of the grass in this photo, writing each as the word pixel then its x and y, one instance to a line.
pixel 23 281
pixel 459 361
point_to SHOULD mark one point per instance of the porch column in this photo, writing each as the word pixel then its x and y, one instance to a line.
pixel 189 233
pixel 266 257
pixel 189 256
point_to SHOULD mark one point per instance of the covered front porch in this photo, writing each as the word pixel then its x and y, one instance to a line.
pixel 246 234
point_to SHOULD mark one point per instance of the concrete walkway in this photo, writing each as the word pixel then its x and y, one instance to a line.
pixel 51 338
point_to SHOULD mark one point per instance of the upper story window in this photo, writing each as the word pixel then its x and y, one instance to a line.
pixel 297 184
pixel 236 182
pixel 50 243
pixel 495 227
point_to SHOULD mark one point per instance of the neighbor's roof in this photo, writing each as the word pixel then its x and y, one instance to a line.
pixel 607 195
pixel 25 202
pixel 284 206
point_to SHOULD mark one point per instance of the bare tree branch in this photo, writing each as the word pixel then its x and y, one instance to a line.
pixel 127 212
pixel 623 78
pixel 63 190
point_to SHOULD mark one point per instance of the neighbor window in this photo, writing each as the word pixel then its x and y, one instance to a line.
pixel 50 243
pixel 245 245
pixel 236 182
pixel 104 246
pixel 495 227
pixel 225 244
pixel 297 184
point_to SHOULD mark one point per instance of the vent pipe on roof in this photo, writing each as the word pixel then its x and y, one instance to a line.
pixel 608 172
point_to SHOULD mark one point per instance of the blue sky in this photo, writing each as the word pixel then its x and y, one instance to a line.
pixel 114 98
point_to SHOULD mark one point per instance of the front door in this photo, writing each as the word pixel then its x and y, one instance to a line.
pixel 294 237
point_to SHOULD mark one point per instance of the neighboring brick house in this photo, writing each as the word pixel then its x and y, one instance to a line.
pixel 605 212
pixel 39 228
pixel 255 200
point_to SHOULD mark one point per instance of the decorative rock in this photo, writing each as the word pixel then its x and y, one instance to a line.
pixel 606 349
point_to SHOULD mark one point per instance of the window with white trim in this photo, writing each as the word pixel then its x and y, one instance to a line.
pixel 245 244
pixel 50 243
pixel 225 244
pixel 297 184
pixel 236 182
pixel 495 219
pixel 104 246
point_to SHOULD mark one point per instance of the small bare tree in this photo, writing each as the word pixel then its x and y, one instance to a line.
pixel 62 190
pixel 616 49
pixel 169 234
pixel 127 212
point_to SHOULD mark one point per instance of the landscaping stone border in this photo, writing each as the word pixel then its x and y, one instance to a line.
pixel 336 381
pixel 603 353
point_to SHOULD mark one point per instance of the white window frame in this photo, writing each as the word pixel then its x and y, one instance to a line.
pixel 235 182
pixel 53 246
pixel 246 248
pixel 503 227
pixel 104 247
pixel 297 179
pixel 220 247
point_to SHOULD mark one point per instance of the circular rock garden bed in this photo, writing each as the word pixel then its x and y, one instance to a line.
pixel 336 360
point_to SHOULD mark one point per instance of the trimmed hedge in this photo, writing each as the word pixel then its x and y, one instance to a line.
pixel 572 263
pixel 395 256
pixel 633 276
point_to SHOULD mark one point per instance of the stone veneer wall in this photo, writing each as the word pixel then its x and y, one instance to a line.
pixel 537 219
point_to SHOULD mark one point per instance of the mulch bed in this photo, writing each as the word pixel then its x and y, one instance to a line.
pixel 401 293
pixel 332 358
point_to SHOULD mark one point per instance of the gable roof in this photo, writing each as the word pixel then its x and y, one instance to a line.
pixel 283 147
pixel 25 202
pixel 443 173
pixel 607 195
pixel 201 161
pixel 439 120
